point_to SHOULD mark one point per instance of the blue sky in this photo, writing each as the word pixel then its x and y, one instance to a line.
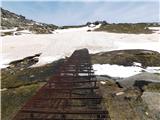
pixel 75 13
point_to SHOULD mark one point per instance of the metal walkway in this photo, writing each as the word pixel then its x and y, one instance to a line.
pixel 71 94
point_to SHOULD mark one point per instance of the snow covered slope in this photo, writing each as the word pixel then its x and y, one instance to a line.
pixel 63 42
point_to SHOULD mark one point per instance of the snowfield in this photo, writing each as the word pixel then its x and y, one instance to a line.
pixel 63 42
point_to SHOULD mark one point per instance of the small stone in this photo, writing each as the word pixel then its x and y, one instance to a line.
pixel 31 76
pixel 103 82
pixel 146 113
pixel 119 93
pixel 21 69
pixel 4 89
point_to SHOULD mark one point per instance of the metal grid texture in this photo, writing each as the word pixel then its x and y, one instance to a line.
pixel 71 94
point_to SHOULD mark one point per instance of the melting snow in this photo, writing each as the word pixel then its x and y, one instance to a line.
pixel 80 29
pixel 121 71
pixel 8 30
pixel 103 82
pixel 23 32
pixel 64 42
pixel 155 29
pixel 137 64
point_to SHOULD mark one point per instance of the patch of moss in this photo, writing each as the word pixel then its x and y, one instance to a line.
pixel 153 87
pixel 21 83
pixel 125 28
pixel 12 100
pixel 12 78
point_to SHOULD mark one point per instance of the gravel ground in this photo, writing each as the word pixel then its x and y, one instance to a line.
pixel 153 101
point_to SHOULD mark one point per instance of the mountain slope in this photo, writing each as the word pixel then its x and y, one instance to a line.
pixel 11 20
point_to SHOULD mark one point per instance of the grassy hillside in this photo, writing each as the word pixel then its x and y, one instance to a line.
pixel 125 28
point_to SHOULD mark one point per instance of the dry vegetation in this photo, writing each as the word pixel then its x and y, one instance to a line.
pixel 138 28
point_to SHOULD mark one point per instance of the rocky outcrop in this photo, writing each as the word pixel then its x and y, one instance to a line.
pixel 139 80
pixel 127 57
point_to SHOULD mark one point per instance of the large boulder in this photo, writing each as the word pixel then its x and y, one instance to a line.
pixel 142 78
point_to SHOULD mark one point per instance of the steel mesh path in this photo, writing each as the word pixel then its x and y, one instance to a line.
pixel 71 94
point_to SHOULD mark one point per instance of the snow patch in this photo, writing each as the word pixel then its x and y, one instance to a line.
pixel 115 70
pixel 121 71
pixel 92 25
pixel 80 29
pixel 46 60
pixel 153 69
pixel 119 93
pixel 155 29
pixel 137 64
pixel 37 23
pixel 22 32
pixel 4 89
pixel 8 30
pixel 103 82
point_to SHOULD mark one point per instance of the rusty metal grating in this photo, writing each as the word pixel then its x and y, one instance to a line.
pixel 71 94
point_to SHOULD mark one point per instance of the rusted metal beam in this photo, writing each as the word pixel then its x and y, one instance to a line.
pixel 74 88
pixel 79 98
pixel 74 80
pixel 64 119
pixel 64 112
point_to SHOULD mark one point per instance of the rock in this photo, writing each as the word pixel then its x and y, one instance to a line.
pixel 119 93
pixel 146 113
pixel 22 69
pixel 4 89
pixel 31 76
pixel 153 101
pixel 130 81
pixel 89 30
pixel 25 62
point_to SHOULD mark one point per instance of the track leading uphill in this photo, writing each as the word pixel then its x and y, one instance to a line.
pixel 71 94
